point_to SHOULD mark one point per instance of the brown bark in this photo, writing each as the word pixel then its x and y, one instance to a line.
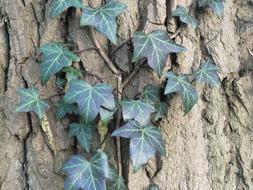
pixel 210 148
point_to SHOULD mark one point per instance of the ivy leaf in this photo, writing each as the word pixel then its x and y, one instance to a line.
pixel 62 109
pixel 83 134
pixel 137 110
pixel 30 101
pixel 89 98
pixel 208 73
pixel 182 13
pixel 72 73
pixel 116 182
pixel 55 57
pixel 60 83
pixel 58 6
pixel 161 110
pixel 181 84
pixel 84 174
pixel 153 187
pixel 154 46
pixel 216 5
pixel 151 93
pixel 106 115
pixel 103 18
pixel 144 142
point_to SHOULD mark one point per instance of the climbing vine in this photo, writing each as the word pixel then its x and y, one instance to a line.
pixel 97 105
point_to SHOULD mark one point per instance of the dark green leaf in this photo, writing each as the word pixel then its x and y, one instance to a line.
pixel 58 6
pixel 55 57
pixel 182 13
pixel 84 174
pixel 116 182
pixel 60 83
pixel 216 5
pixel 103 18
pixel 181 84
pixel 137 110
pixel 161 110
pixel 208 73
pixel 89 98
pixel 151 93
pixel 72 73
pixel 62 109
pixel 83 134
pixel 154 46
pixel 144 143
pixel 29 101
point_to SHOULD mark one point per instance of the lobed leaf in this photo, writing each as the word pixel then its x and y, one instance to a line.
pixel 84 174
pixel 72 73
pixel 137 110
pixel 58 6
pixel 182 13
pixel 181 84
pixel 154 46
pixel 103 18
pixel 208 73
pixel 216 5
pixel 89 98
pixel 30 101
pixel 83 134
pixel 151 93
pixel 116 182
pixel 55 57
pixel 144 141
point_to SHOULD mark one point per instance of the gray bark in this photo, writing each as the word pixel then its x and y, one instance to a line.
pixel 210 148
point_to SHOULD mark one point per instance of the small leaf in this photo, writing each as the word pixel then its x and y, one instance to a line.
pixel 116 182
pixel 60 83
pixel 137 110
pixel 182 13
pixel 72 73
pixel 103 18
pixel 208 73
pixel 58 6
pixel 55 57
pixel 216 5
pixel 29 101
pixel 83 134
pixel 106 115
pixel 84 174
pixel 181 84
pixel 154 46
pixel 62 109
pixel 161 110
pixel 151 93
pixel 144 143
pixel 153 187
pixel 89 98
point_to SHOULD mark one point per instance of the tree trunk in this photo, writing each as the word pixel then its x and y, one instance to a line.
pixel 208 149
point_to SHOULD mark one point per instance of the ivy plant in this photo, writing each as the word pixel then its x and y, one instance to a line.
pixel 97 106
pixel 216 5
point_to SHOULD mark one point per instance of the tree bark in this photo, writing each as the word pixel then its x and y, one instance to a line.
pixel 208 149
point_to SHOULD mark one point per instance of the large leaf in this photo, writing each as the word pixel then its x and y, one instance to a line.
pixel 58 6
pixel 116 182
pixel 30 101
pixel 181 84
pixel 145 141
pixel 55 57
pixel 208 73
pixel 154 46
pixel 83 134
pixel 182 13
pixel 137 110
pixel 216 5
pixel 87 175
pixel 103 18
pixel 89 98
pixel 62 109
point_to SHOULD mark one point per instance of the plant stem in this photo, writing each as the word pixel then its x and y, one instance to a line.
pixel 83 50
pixel 130 77
pixel 120 46
pixel 119 89
pixel 172 36
pixel 102 53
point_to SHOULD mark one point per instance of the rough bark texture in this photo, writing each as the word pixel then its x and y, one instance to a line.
pixel 209 149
